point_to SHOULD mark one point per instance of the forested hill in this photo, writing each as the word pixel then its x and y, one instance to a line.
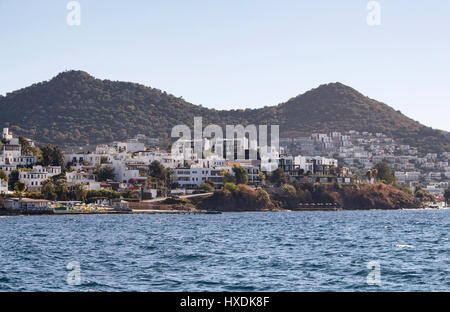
pixel 76 108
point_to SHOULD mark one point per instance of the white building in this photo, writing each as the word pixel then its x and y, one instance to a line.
pixel 195 176
pixel 405 177
pixel 6 135
pixel 132 146
pixel 10 152
pixel 164 158
pixel 35 177
pixel 78 160
pixel 76 177
pixel 433 190
pixel 127 169
pixel 27 205
pixel 305 163
pixel 8 168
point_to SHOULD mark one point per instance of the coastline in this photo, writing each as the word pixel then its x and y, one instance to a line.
pixel 202 212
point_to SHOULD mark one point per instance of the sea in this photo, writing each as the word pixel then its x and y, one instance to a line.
pixel 377 250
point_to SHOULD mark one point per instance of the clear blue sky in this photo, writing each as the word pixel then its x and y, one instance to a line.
pixel 238 54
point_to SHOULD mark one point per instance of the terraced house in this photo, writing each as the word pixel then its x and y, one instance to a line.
pixel 11 153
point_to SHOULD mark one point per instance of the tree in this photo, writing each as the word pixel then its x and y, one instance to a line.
pixel 263 196
pixel 240 175
pixel 262 176
pixel 156 170
pixel 80 192
pixel 404 188
pixel 61 189
pixel 52 156
pixel 48 190
pixel 227 177
pixel 13 178
pixel 25 146
pixel 424 196
pixel 3 176
pixel 447 195
pixel 159 172
pixel 369 175
pixel 20 187
pixel 230 187
pixel 384 173
pixel 375 173
pixel 288 190
pixel 207 187
pixel 105 173
pixel 279 177
pixel 168 172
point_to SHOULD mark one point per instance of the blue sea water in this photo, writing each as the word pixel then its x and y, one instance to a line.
pixel 285 251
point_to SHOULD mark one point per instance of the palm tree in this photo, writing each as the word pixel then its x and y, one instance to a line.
pixel 374 174
pixel 369 175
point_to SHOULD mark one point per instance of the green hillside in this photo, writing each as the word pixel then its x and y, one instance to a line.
pixel 76 108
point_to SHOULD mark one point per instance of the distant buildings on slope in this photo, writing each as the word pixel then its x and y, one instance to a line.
pixel 332 157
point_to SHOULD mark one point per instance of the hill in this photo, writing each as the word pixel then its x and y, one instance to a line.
pixel 76 108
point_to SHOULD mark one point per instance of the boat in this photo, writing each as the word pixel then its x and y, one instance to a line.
pixel 438 205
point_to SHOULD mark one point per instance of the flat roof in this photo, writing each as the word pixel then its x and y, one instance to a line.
pixel 28 200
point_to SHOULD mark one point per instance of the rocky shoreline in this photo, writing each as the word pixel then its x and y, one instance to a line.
pixel 297 197
pixel 310 197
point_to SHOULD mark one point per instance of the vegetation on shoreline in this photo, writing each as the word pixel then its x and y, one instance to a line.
pixel 293 197
pixel 276 193
pixel 238 198
pixel 282 194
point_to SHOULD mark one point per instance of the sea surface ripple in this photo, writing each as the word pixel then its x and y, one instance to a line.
pixel 286 251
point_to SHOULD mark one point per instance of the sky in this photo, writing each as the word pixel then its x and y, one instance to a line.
pixel 239 54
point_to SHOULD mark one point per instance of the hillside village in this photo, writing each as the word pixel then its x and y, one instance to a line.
pixel 140 169
pixel 361 151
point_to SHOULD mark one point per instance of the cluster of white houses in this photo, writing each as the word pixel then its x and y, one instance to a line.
pixel 360 151
pixel 11 159
pixel 130 162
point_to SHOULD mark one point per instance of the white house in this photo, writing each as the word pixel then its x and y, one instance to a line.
pixel 125 170
pixel 132 145
pixel 83 159
pixel 164 158
pixel 10 152
pixel 8 168
pixel 195 176
pixel 76 177
pixel 35 177
pixel 27 205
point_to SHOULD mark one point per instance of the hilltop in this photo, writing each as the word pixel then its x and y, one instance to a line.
pixel 76 108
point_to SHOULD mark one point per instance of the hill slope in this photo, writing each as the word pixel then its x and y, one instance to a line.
pixel 76 108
